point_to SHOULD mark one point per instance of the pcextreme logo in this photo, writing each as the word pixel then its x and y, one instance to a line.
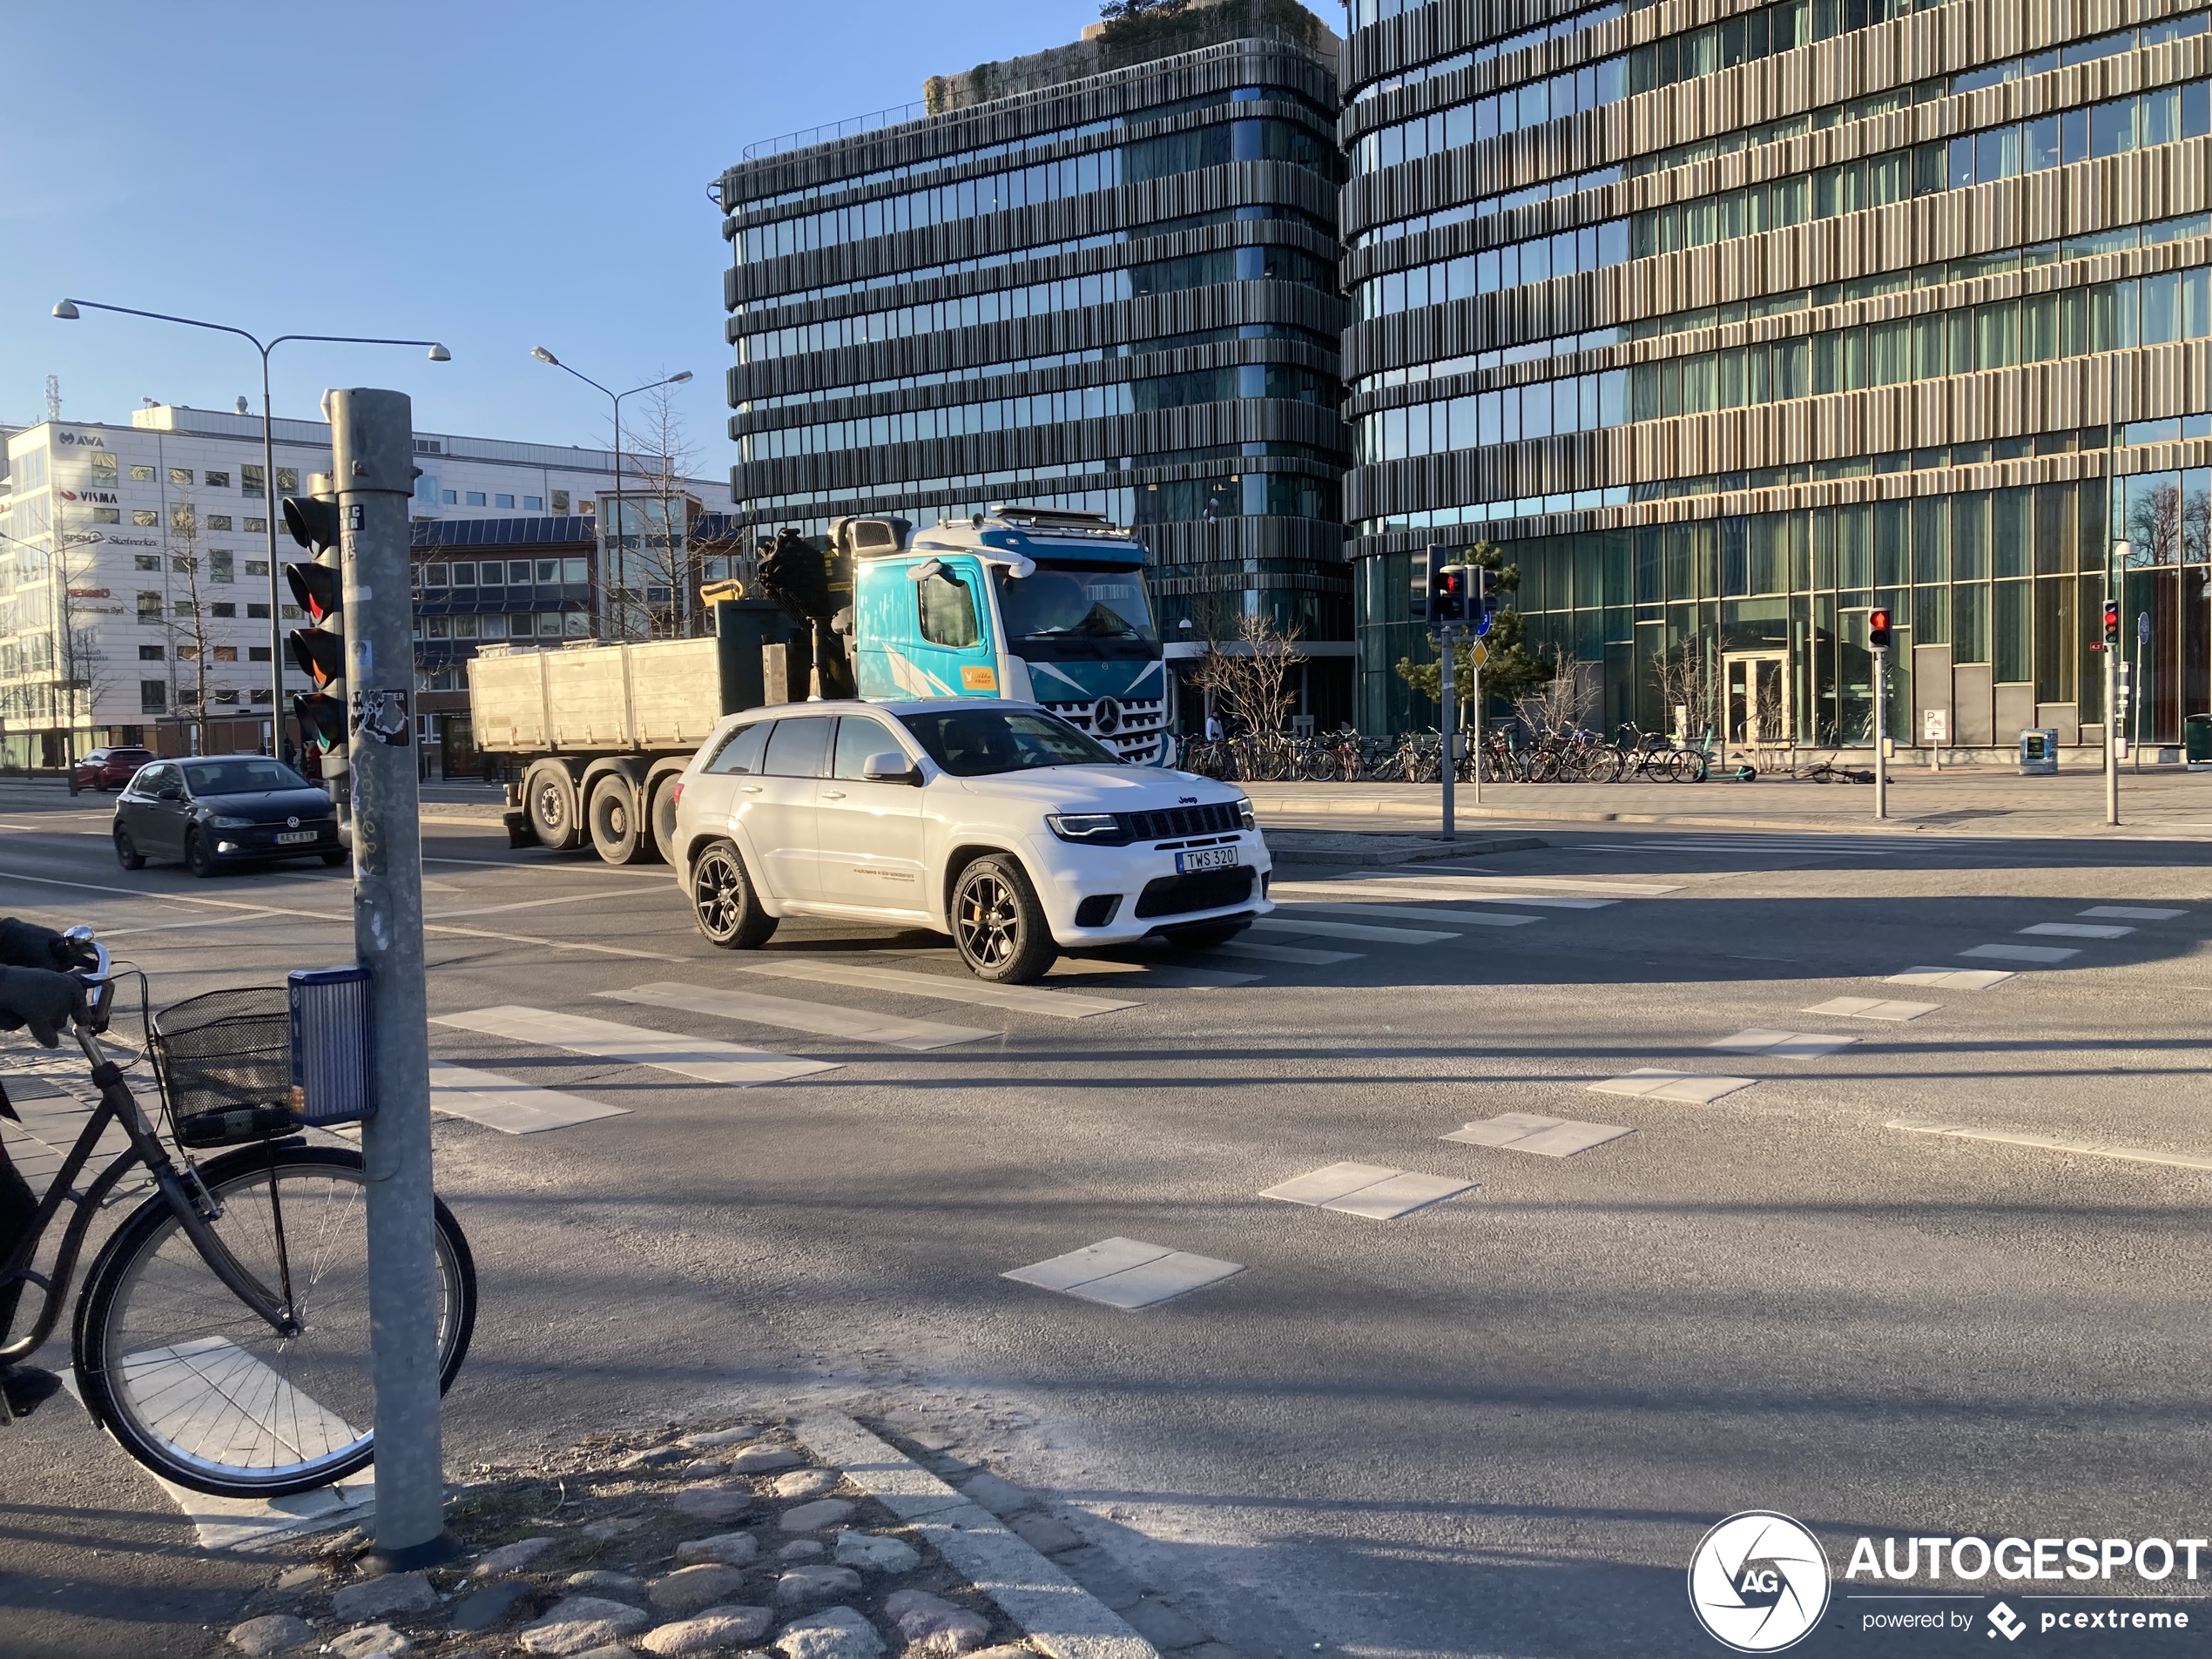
pixel 1758 1582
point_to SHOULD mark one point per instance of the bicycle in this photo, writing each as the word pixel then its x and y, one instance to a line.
pixel 222 1336
pixel 1827 771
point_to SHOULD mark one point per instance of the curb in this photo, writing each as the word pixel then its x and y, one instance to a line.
pixel 1065 1620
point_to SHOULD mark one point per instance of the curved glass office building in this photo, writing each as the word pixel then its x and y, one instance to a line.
pixel 1070 281
pixel 1733 328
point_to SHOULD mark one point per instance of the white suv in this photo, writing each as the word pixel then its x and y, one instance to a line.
pixel 993 822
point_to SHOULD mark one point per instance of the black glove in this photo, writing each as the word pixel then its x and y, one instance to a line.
pixel 25 944
pixel 41 1000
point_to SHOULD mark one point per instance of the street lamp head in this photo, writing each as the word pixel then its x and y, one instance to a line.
pixel 439 354
pixel 66 311
pixel 678 378
pixel 544 357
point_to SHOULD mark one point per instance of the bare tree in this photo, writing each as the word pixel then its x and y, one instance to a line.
pixel 2154 526
pixel 654 575
pixel 1562 703
pixel 1251 679
pixel 1689 689
pixel 186 625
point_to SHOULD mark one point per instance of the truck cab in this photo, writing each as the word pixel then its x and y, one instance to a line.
pixel 1030 604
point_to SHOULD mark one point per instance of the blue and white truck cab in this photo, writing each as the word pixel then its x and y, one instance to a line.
pixel 1030 604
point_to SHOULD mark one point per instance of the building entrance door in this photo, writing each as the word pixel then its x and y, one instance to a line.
pixel 1758 698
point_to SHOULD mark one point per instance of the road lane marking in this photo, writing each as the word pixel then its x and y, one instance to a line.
pixel 1551 1137
pixel 1286 953
pixel 1126 1273
pixel 1350 930
pixel 1786 1045
pixel 1374 1190
pixel 1063 1005
pixel 1508 884
pixel 2078 930
pixel 2051 1144
pixel 2133 912
pixel 1457 918
pixel 1655 1083
pixel 823 1019
pixel 1356 891
pixel 1872 1008
pixel 511 1107
pixel 1952 979
pixel 2046 953
pixel 703 1058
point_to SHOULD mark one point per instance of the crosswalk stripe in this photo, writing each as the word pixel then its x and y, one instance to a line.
pixel 704 1058
pixel 1356 890
pixel 1514 884
pixel 1457 918
pixel 1064 1005
pixel 1722 849
pixel 1288 954
pixel 511 1107
pixel 1350 930
pixel 824 1018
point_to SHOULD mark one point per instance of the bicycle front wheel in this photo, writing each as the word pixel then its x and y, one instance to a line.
pixel 195 1385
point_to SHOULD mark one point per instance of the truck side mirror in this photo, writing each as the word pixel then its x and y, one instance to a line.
pixel 927 569
pixel 890 767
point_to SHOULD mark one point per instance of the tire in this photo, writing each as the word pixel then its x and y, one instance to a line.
pixel 334 857
pixel 151 1291
pixel 724 902
pixel 197 859
pixel 660 816
pixel 549 794
pixel 998 925
pixel 618 827
pixel 126 851
pixel 1207 938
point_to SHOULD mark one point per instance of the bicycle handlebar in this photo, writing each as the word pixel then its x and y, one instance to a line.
pixel 98 980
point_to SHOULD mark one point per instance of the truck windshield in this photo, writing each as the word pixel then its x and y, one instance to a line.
pixel 979 742
pixel 1077 610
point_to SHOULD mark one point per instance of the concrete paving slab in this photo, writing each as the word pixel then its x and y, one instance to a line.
pixel 1093 1261
pixel 824 1018
pixel 1335 1181
pixel 1692 1088
pixel 701 1058
pixel 509 1105
pixel 2043 954
pixel 2078 930
pixel 1872 1008
pixel 1787 1045
pixel 2133 912
pixel 1401 1195
pixel 1954 978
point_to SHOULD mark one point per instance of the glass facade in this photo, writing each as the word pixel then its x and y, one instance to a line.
pixel 1115 292
pixel 1900 320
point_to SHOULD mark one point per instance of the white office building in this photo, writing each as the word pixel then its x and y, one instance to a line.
pixel 134 566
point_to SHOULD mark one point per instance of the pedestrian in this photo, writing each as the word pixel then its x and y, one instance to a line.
pixel 36 990
pixel 1213 728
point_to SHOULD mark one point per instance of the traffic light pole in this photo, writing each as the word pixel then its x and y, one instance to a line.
pixel 1450 720
pixel 372 449
pixel 1881 725
pixel 2112 733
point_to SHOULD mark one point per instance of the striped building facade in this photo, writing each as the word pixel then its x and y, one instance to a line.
pixel 1732 323
pixel 1109 288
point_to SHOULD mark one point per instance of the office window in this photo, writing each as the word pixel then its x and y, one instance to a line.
pixel 217 480
pixel 257 567
pixel 107 514
pixel 548 570
pixel 225 653
pixel 146 562
pixel 180 519
pixel 252 482
pixel 218 521
pixel 464 575
pixel 260 610
pixel 149 607
pixel 576 570
pixel 548 624
pixel 450 497
pixel 141 474
pixel 222 609
pixel 261 694
pixel 533 504
pixel 441 627
pixel 258 653
pixel 434 576
pixel 518 573
pixel 520 627
pixel 287 479
pixel 102 466
pixel 502 501
pixel 576 625
pixel 257 527
pixel 180 564
pixel 464 627
pixel 154 695
pixel 221 566
pixel 146 518
pixel 178 608
pixel 180 476
pixel 290 613
pixel 476 498
pixel 560 500
pixel 151 653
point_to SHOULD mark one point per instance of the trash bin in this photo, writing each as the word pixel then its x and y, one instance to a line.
pixel 2196 739
pixel 2039 752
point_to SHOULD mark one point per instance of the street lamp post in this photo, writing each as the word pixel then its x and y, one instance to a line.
pixel 68 311
pixel 616 398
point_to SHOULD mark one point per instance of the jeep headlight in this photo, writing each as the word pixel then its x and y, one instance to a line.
pixel 1098 829
pixel 1245 818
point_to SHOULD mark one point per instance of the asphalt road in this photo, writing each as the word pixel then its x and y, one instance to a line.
pixel 1497 1425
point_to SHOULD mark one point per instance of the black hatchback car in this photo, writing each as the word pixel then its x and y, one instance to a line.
pixel 224 810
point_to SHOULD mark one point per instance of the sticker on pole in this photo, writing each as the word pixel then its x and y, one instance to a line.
pixel 381 716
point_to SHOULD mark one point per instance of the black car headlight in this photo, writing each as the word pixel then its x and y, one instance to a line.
pixel 1094 829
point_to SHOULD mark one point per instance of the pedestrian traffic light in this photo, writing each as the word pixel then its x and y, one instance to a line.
pixel 1439 589
pixel 320 648
pixel 1878 630
pixel 2112 622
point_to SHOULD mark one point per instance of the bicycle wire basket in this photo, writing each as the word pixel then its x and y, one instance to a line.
pixel 224 1061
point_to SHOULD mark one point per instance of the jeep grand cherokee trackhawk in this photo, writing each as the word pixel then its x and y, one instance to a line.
pixel 993 821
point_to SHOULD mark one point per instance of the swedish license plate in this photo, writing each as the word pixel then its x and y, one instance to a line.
pixel 297 838
pixel 1206 857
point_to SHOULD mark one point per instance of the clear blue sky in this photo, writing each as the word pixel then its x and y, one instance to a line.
pixel 494 177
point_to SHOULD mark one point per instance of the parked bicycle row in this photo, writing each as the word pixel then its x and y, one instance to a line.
pixel 1509 754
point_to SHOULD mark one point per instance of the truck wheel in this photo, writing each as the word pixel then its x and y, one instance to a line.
pixel 660 817
pixel 617 833
pixel 724 902
pixel 550 795
pixel 999 925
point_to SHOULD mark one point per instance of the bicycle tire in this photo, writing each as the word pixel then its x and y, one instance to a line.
pixel 153 1371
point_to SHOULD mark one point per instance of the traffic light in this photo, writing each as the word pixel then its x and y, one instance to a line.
pixel 1439 589
pixel 1878 630
pixel 320 648
pixel 2112 624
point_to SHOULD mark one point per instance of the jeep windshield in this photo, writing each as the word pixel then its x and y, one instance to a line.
pixel 1071 610
pixel 979 742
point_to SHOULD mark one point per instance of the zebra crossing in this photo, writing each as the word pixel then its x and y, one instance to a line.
pixel 1781 844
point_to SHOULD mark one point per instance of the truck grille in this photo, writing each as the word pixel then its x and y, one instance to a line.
pixel 1179 895
pixel 1175 822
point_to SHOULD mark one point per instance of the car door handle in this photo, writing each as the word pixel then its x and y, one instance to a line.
pixel 748 789
pixel 832 794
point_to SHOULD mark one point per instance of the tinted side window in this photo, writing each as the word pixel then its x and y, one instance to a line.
pixel 858 737
pixel 800 748
pixel 947 611
pixel 740 752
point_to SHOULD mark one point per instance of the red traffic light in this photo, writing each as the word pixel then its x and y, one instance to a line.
pixel 2112 620
pixel 1878 630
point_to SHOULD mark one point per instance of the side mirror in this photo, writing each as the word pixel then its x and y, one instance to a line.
pixel 173 792
pixel 890 767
